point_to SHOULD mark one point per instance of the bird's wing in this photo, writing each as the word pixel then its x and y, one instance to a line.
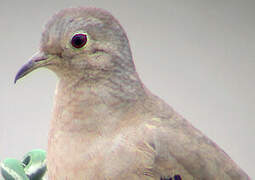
pixel 182 150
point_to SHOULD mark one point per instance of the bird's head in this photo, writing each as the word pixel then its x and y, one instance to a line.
pixel 82 42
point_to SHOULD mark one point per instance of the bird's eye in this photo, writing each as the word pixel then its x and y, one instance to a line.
pixel 79 40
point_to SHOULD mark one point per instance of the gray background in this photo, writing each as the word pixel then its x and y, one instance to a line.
pixel 198 55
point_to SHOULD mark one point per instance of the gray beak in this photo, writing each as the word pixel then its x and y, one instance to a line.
pixel 37 60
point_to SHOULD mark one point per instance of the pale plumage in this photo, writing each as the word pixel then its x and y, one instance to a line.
pixel 106 124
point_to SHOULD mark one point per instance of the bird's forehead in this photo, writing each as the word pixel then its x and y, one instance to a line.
pixel 69 21
pixel 66 20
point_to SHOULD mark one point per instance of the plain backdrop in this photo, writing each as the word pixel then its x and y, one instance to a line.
pixel 198 55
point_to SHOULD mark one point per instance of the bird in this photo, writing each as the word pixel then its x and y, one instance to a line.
pixel 106 125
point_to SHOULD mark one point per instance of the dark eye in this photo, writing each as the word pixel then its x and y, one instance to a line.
pixel 79 40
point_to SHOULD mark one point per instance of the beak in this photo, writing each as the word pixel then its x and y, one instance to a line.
pixel 37 60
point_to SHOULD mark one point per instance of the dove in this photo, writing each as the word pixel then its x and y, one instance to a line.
pixel 106 124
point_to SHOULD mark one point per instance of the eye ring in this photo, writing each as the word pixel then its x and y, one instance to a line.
pixel 79 40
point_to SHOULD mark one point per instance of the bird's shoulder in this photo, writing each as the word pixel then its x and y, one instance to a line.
pixel 181 149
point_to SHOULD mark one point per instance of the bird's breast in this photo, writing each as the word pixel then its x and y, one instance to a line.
pixel 119 155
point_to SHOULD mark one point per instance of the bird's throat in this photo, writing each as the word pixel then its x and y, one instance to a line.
pixel 90 108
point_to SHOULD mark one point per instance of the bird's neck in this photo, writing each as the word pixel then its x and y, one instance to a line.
pixel 94 107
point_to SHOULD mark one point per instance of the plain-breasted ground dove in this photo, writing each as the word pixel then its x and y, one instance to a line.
pixel 106 124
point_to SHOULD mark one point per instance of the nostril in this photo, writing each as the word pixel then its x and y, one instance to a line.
pixel 40 59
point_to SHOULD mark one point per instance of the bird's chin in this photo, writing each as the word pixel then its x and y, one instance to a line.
pixel 36 61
